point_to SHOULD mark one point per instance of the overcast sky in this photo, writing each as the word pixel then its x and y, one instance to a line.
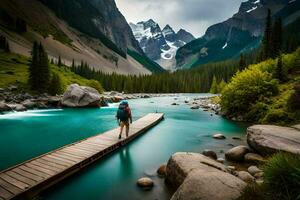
pixel 193 15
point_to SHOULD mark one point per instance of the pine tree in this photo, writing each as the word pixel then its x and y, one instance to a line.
pixel 59 63
pixel 267 37
pixel 39 71
pixel 279 71
pixel 214 86
pixel 276 39
pixel 55 86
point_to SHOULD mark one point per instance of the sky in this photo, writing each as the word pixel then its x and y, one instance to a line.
pixel 194 16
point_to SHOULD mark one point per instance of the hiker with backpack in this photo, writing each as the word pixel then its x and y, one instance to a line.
pixel 124 117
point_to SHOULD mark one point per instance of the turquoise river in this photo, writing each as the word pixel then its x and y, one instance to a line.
pixel 25 135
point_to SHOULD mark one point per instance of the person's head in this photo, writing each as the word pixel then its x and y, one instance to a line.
pixel 124 103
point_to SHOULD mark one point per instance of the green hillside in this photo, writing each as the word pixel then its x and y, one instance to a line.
pixel 14 71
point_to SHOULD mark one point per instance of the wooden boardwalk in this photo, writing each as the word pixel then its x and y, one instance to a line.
pixel 31 177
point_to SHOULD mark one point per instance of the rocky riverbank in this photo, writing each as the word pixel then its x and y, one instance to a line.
pixel 75 96
pixel 207 176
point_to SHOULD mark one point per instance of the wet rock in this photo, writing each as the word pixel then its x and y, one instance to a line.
pixel 221 160
pixel 199 177
pixel 236 138
pixel 195 107
pixel 254 158
pixel 237 153
pixel 219 136
pixel 254 170
pixel 209 153
pixel 4 107
pixel 145 182
pixel 13 88
pixel 259 175
pixel 17 107
pixel 81 96
pixel 269 139
pixel 161 171
pixel 245 176
pixel 28 104
pixel 231 168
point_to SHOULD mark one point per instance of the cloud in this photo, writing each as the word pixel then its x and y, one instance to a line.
pixel 193 15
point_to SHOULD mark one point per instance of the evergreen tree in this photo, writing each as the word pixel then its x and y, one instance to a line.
pixel 59 63
pixel 276 39
pixel 39 71
pixel 4 44
pixel 222 85
pixel 55 86
pixel 214 86
pixel 293 102
pixel 267 37
pixel 279 71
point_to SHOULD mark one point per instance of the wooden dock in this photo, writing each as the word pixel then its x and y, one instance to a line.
pixel 27 179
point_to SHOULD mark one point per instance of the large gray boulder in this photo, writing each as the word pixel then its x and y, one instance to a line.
pixel 269 139
pixel 81 96
pixel 237 153
pixel 199 177
pixel 4 107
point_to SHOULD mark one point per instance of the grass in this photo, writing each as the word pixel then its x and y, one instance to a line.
pixel 281 180
pixel 14 71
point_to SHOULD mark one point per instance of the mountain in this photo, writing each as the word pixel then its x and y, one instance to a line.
pixel 92 31
pixel 240 33
pixel 160 45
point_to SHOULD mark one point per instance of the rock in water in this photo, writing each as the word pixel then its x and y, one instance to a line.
pixel 269 139
pixel 145 183
pixel 200 177
pixel 219 136
pixel 81 96
pixel 237 153
pixel 4 107
pixel 211 154
pixel 161 171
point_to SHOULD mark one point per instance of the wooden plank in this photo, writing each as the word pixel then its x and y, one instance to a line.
pixel 91 151
pixel 72 155
pixel 100 147
pixel 27 174
pixel 13 181
pixel 61 155
pixel 68 162
pixel 21 178
pixel 35 172
pixel 49 164
pixel 65 164
pixel 88 146
pixel 41 169
pixel 5 194
pixel 9 187
pixel 76 152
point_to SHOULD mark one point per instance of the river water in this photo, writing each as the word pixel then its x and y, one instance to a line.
pixel 25 135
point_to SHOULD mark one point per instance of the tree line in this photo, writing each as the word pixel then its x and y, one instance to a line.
pixel 4 45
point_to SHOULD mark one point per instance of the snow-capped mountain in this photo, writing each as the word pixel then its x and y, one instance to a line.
pixel 160 45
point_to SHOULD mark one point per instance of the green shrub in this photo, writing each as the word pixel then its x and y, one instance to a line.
pixel 247 88
pixel 95 84
pixel 281 180
pixel 257 112
pixel 282 176
pixel 276 116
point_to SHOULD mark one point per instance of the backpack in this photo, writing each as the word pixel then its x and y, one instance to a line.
pixel 122 114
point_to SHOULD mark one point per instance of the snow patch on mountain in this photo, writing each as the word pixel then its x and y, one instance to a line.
pixel 253 8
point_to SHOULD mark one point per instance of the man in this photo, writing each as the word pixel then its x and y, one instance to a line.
pixel 124 117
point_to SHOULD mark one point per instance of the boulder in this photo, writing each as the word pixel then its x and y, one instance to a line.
pixel 161 171
pixel 145 183
pixel 219 136
pixel 269 139
pixel 81 96
pixel 237 153
pixel 17 107
pixel 211 154
pixel 254 158
pixel 180 164
pixel 221 160
pixel 245 176
pixel 28 104
pixel 254 170
pixel 4 107
pixel 195 107
pixel 200 177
